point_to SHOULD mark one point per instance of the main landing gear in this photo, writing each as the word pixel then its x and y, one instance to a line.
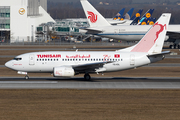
pixel 26 77
pixel 87 76
pixel 175 46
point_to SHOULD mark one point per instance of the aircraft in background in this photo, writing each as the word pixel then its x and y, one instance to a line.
pixel 137 15
pixel 119 19
pixel 147 15
pixel 119 14
pixel 139 20
pixel 69 64
pixel 128 15
pixel 147 21
pixel 103 28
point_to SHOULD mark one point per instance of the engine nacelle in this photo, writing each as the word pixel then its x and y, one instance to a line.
pixel 63 72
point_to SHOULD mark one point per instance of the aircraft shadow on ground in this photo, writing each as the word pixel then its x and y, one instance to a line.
pixel 95 79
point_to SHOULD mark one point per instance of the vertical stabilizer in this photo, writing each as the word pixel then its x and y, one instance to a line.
pixel 95 19
pixel 137 15
pixel 129 14
pixel 148 14
pixel 119 14
pixel 153 41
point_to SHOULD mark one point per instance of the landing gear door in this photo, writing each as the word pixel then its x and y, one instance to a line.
pixel 132 60
pixel 31 59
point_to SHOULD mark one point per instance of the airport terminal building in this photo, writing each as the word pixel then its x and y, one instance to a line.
pixel 19 19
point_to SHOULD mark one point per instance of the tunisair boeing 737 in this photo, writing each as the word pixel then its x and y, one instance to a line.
pixel 68 64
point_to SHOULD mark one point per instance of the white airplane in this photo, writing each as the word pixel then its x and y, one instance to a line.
pixel 68 64
pixel 101 27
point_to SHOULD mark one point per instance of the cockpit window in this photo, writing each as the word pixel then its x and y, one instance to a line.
pixel 17 59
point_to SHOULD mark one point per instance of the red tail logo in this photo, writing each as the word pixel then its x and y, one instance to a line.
pixel 150 38
pixel 92 17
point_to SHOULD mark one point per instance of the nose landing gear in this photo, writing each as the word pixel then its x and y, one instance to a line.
pixel 24 73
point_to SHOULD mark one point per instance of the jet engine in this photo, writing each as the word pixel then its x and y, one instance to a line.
pixel 63 72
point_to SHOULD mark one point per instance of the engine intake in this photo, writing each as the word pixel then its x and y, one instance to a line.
pixel 63 72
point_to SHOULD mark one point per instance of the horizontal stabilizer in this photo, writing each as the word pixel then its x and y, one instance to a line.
pixel 158 54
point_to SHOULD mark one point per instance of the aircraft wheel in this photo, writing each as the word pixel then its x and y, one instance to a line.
pixel 171 46
pixel 26 77
pixel 175 46
pixel 87 77
pixel 178 46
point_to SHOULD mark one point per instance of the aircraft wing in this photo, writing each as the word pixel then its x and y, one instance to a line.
pixel 91 67
pixel 92 30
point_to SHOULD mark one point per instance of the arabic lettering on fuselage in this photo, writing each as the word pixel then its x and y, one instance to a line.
pixel 78 56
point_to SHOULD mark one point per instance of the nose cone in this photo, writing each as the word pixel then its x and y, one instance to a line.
pixel 8 64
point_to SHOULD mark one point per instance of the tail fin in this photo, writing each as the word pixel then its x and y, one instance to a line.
pixel 153 41
pixel 143 21
pixel 151 21
pixel 147 15
pixel 128 14
pixel 138 14
pixel 95 19
pixel 119 14
pixel 147 21
pixel 136 17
